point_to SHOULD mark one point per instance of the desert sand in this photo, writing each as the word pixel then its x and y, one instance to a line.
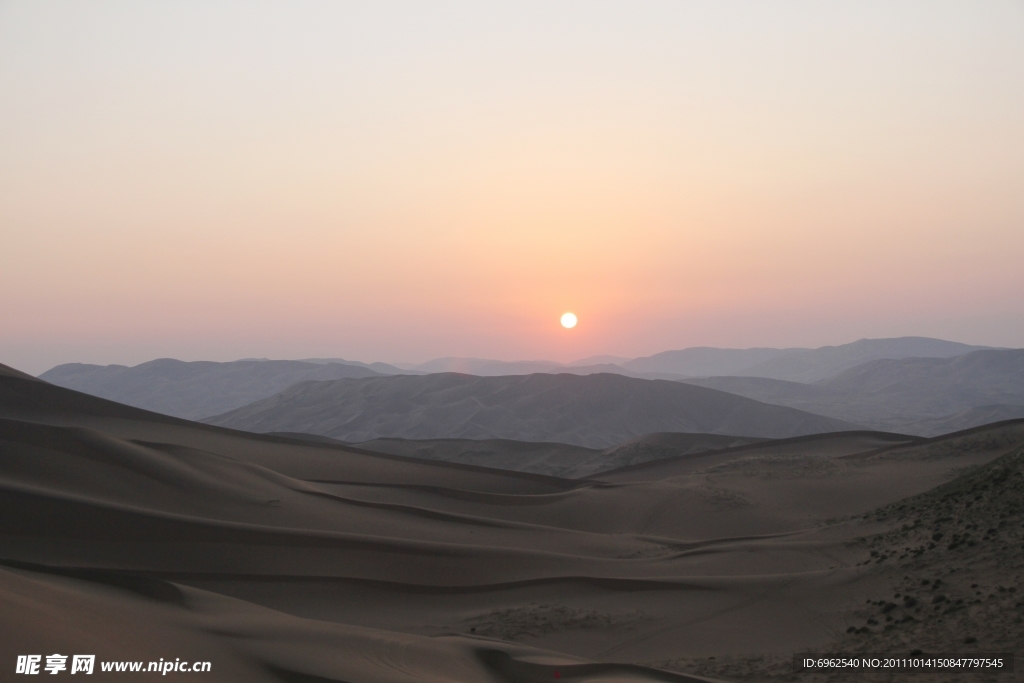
pixel 136 536
pixel 552 458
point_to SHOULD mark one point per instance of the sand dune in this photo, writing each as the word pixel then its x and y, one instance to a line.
pixel 245 642
pixel 594 411
pixel 138 536
pixel 555 459
pixel 11 372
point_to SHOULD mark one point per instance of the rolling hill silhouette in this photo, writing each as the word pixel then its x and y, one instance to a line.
pixel 794 365
pixel 197 389
pixel 595 411
pixel 926 396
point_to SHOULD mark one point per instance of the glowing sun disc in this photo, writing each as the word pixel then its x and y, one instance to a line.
pixel 568 320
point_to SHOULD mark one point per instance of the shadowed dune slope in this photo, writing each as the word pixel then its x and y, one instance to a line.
pixel 138 536
pixel 542 457
pixel 6 371
pixel 555 459
pixel 197 389
pixel 594 411
pixel 30 400
pixel 149 620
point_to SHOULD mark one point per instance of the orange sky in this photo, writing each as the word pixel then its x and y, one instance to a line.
pixel 398 182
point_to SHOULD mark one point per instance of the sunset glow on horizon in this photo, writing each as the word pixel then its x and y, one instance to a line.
pixel 403 181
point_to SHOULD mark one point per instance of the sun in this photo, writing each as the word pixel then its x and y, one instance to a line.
pixel 568 320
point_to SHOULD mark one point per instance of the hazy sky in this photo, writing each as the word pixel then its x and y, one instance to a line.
pixel 400 181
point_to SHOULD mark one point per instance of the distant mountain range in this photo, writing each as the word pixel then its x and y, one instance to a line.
pixel 197 389
pixel 381 368
pixel 484 367
pixel 915 385
pixel 923 396
pixel 596 411
pixel 795 365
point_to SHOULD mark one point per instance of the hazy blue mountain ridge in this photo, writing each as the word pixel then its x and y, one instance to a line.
pixel 596 411
pixel 923 396
pixel 193 390
pixel 796 365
